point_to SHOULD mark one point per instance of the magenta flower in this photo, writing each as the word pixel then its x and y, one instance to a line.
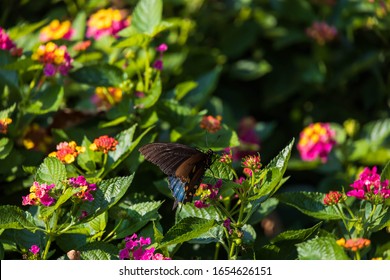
pixel 39 195
pixel 86 188
pixel 316 141
pixel 34 249
pixel 5 42
pixel 226 224
pixel 135 249
pixel 162 48
pixel 370 187
pixel 207 192
pixel 158 64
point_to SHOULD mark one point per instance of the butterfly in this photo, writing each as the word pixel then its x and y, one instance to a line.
pixel 185 167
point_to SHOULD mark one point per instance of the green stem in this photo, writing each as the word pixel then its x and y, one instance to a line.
pixel 147 70
pixel 106 239
pixel 47 247
pixel 338 209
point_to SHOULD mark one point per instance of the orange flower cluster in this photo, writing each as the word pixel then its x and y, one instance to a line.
pixel 104 144
pixel 4 125
pixel 354 244
pixel 211 124
pixel 67 151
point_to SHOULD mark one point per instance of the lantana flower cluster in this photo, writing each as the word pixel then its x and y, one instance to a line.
pixel 39 195
pixel 4 125
pixel 86 188
pixel 321 32
pixel 251 164
pixel 333 198
pixel 67 152
pixel 370 187
pixel 354 244
pixel 106 22
pixel 56 30
pixel 105 98
pixel 55 59
pixel 211 124
pixel 316 141
pixel 7 44
pixel 104 144
pixel 207 192
pixel 135 249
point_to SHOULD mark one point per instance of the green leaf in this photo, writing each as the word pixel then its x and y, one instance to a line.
pixel 6 113
pixel 377 131
pixel 48 100
pixel 51 171
pixel 185 230
pixel 219 170
pixel 12 217
pixel 248 70
pixel 136 216
pixel 99 251
pixel 215 234
pixel 135 40
pixel 249 234
pixel 259 210
pixel 23 29
pixel 147 16
pixel 125 147
pixel 206 85
pixel 108 193
pixel 182 89
pixel 99 75
pixel 309 203
pixel 322 248
pixel 24 64
pixel 151 97
pixel 7 77
pixel 272 175
pixel 386 172
pixel 6 146
pixel 300 235
pixel 88 159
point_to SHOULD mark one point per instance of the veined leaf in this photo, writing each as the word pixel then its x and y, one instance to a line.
pixel 108 193
pixel 51 171
pixel 48 100
pixel 309 203
pixel 12 217
pixel 99 75
pixel 300 235
pixel 99 251
pixel 185 230
pixel 321 248
pixel 136 216
pixel 147 16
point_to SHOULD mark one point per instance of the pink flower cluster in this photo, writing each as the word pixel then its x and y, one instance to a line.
pixel 207 192
pixel 39 194
pixel 135 249
pixel 86 188
pixel 7 44
pixel 106 22
pixel 370 187
pixel 251 164
pixel 316 141
pixel 321 32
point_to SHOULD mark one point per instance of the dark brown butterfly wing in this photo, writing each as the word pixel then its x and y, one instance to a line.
pixel 184 165
pixel 168 156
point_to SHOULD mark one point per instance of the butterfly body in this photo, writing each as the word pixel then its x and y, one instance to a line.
pixel 185 167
